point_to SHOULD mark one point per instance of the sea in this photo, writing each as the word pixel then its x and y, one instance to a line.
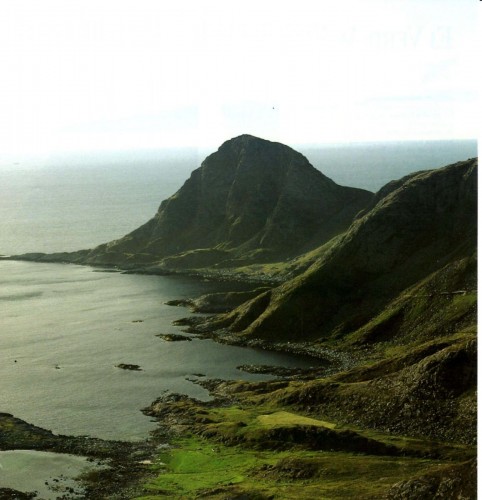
pixel 65 328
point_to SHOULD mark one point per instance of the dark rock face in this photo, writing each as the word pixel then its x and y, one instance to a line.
pixel 252 199
pixel 173 337
pixel 9 494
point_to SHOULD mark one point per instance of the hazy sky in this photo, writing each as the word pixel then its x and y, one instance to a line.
pixel 133 74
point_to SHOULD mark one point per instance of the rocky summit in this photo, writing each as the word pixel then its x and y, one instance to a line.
pixel 251 201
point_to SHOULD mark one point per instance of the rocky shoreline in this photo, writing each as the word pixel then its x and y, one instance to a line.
pixel 128 465
pixel 220 275
pixel 216 425
pixel 123 461
pixel 333 360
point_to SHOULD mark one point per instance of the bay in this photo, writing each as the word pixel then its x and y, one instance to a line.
pixel 64 328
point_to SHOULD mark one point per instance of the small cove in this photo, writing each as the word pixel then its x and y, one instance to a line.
pixel 64 328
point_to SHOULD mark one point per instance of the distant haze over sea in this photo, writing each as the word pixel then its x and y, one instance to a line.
pixel 71 201
pixel 371 165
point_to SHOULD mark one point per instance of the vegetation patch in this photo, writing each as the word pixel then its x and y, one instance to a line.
pixel 198 468
pixel 255 449
pixel 285 418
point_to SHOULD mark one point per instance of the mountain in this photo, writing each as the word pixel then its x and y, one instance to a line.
pixel 251 201
pixel 392 306
pixel 424 224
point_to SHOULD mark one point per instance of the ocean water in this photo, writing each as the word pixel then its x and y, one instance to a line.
pixel 371 165
pixel 63 328
pixel 68 202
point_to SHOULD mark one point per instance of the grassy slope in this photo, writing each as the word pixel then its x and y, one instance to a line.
pixel 196 468
pixel 425 224
pixel 413 390
pixel 253 448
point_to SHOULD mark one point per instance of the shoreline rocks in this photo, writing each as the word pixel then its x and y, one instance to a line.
pixel 173 337
pixel 283 371
pixel 127 366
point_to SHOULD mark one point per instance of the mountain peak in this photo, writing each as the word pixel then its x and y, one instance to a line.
pixel 253 143
pixel 252 200
pixel 247 137
pixel 244 138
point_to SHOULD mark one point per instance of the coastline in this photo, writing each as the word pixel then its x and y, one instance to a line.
pixel 132 468
pixel 128 462
pixel 122 462
pixel 221 275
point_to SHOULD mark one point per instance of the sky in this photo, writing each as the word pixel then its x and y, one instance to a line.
pixel 92 75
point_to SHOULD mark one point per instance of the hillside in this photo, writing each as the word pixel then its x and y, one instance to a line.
pixel 417 227
pixel 251 201
pixel 392 304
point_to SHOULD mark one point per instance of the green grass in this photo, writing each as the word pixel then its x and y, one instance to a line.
pixel 284 418
pixel 207 461
pixel 460 305
pixel 466 334
pixel 195 466
pixel 196 463
pixel 284 268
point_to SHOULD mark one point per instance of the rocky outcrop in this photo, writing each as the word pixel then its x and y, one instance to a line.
pixel 218 302
pixel 447 482
pixel 422 394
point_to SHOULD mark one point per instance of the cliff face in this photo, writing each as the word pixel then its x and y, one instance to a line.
pixel 417 228
pixel 252 200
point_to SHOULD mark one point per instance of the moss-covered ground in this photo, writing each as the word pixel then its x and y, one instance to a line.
pixel 397 421
pixel 252 451
pixel 195 467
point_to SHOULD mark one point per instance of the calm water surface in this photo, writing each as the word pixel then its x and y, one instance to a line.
pixel 63 328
